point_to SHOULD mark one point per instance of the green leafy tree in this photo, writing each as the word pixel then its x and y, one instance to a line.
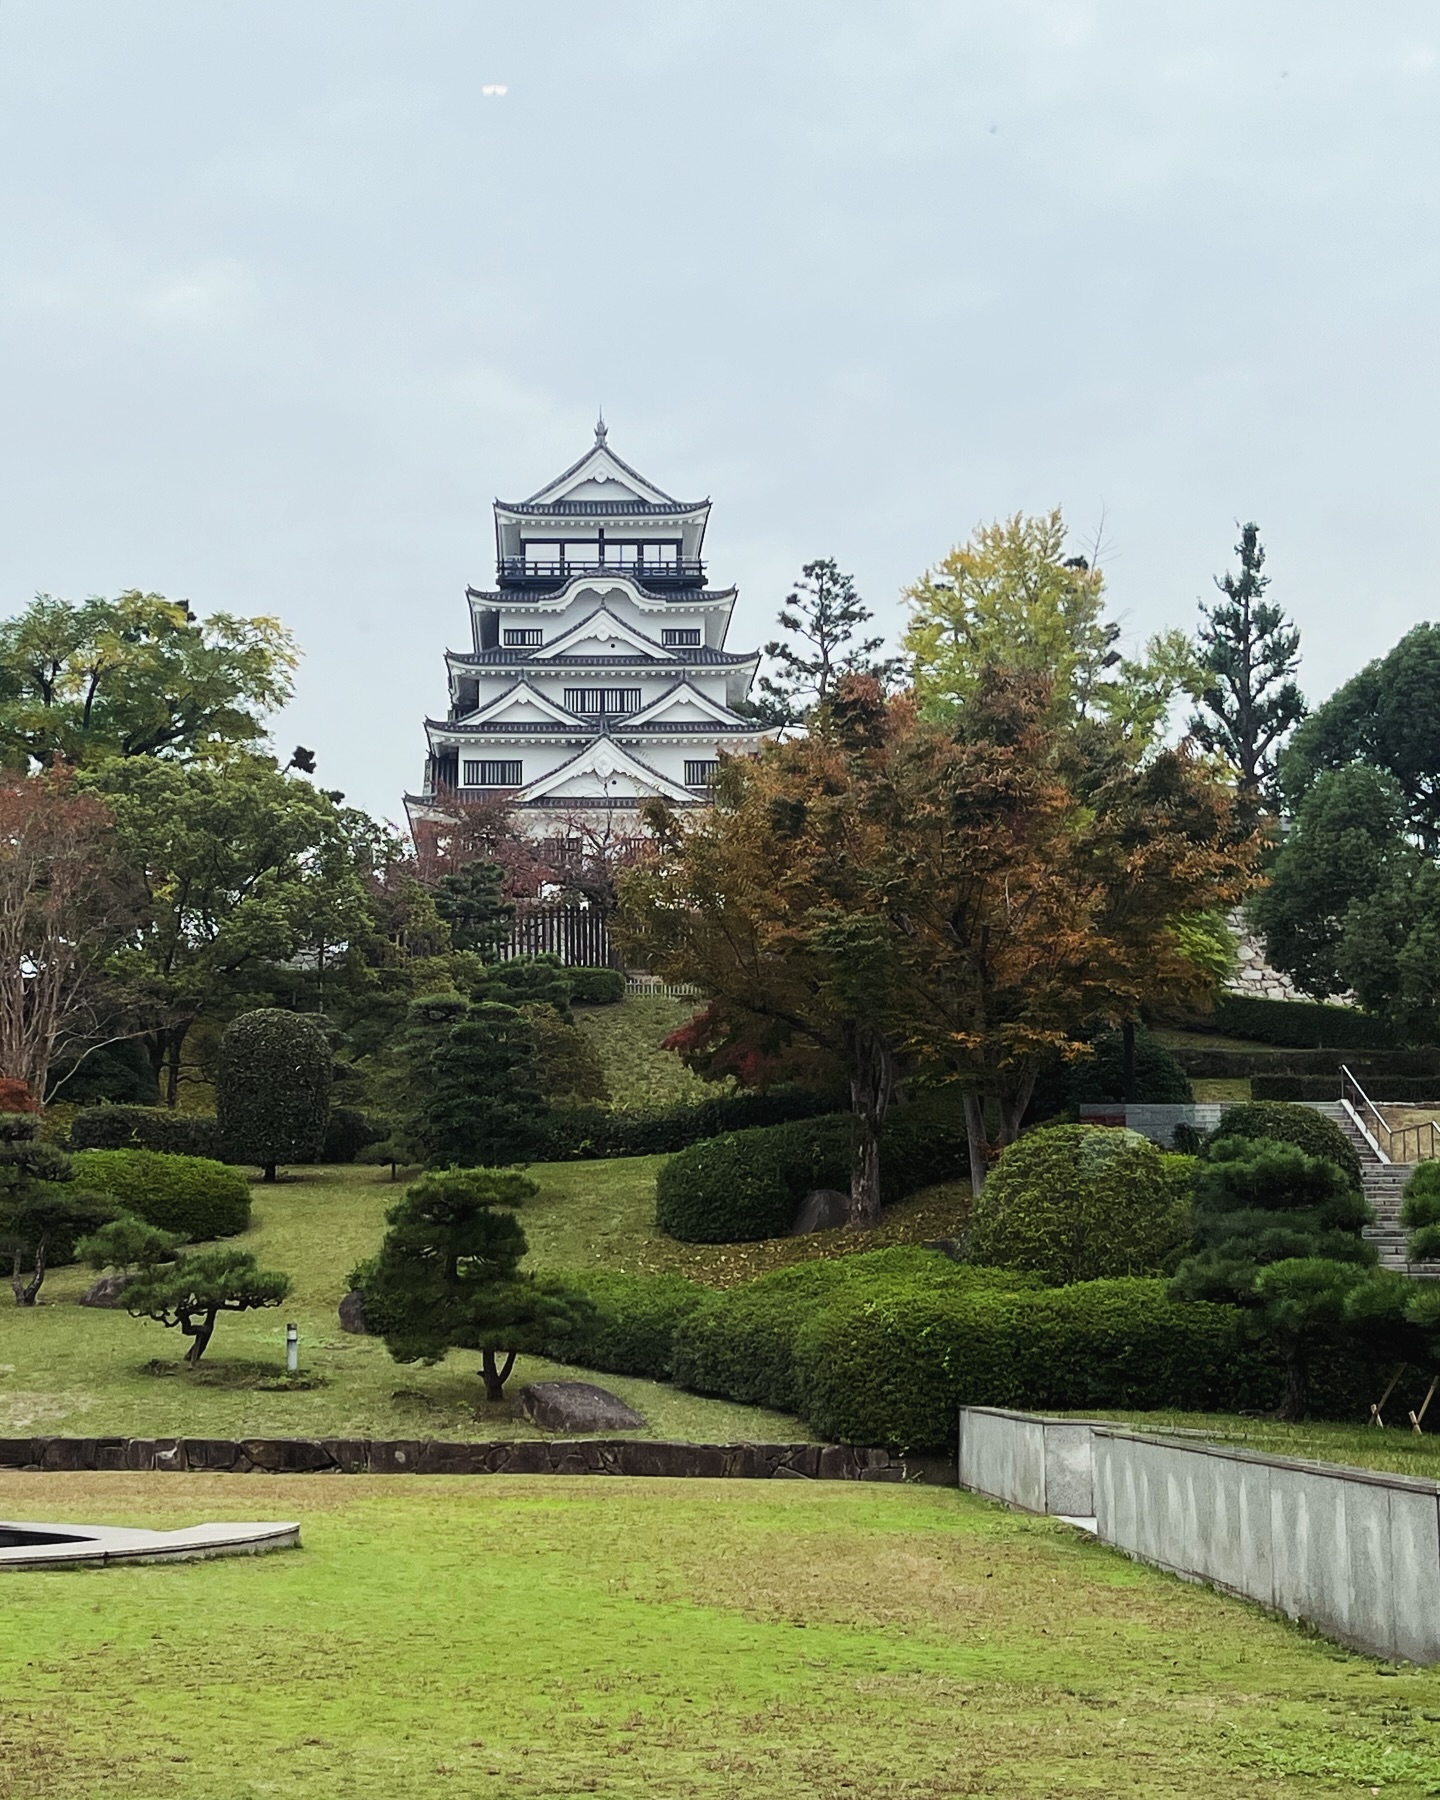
pixel 1278 1232
pixel 272 1088
pixel 1387 718
pixel 470 902
pixel 469 1084
pixel 1012 598
pixel 824 612
pixel 526 981
pixel 1344 844
pixel 1249 652
pixel 448 1276
pixel 242 870
pixel 192 1292
pixel 136 676
pixel 40 1209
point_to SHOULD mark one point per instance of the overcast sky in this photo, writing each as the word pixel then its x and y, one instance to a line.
pixel 286 300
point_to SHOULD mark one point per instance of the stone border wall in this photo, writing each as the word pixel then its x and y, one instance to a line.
pixel 1354 1552
pixel 419 1456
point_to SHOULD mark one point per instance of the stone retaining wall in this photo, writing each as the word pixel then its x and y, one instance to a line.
pixel 418 1456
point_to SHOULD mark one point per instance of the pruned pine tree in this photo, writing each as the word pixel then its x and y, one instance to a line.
pixel 825 613
pixel 1249 652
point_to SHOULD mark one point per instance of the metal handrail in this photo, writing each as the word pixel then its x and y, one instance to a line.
pixel 684 568
pixel 1385 1137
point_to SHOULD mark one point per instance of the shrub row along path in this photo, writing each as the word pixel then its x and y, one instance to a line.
pixel 70 1370
pixel 663 1640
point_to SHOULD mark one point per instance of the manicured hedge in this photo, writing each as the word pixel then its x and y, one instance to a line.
pixel 579 1133
pixel 596 987
pixel 747 1184
pixel 193 1195
pixel 1299 1024
pixel 633 1326
pixel 146 1128
pixel 347 1133
pixel 895 1367
pixel 1374 1067
pixel 740 1342
pixel 1288 1124
pixel 1327 1087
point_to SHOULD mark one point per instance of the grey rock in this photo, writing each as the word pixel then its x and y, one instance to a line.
pixel 576 1406
pixel 106 1291
pixel 352 1313
pixel 822 1209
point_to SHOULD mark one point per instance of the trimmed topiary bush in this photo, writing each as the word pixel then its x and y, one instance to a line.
pixel 1083 1202
pixel 596 987
pixel 191 1195
pixel 347 1132
pixel 272 1088
pixel 1308 1130
pixel 632 1327
pixel 146 1128
pixel 1298 1024
pixel 1420 1213
pixel 578 1133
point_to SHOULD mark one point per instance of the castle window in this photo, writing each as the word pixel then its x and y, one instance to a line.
pixel 603 700
pixel 676 637
pixel 701 773
pixel 493 774
pixel 523 637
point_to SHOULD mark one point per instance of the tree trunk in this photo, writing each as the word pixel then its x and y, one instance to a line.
pixel 202 1334
pixel 872 1082
pixel 975 1132
pixel 26 1290
pixel 495 1378
pixel 268 1172
pixel 1127 1056
pixel 1013 1107
pixel 1296 1404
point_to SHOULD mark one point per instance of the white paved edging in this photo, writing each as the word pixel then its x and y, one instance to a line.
pixel 26 1545
pixel 1353 1552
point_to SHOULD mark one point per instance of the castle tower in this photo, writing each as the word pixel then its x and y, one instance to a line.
pixel 598 675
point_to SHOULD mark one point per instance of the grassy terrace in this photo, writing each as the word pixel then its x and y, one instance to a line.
pixel 70 1370
pixel 557 1637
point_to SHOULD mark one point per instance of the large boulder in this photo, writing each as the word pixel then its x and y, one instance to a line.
pixel 822 1209
pixel 576 1406
pixel 106 1291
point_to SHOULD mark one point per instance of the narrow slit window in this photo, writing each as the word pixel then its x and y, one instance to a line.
pixel 679 637
pixel 523 637
pixel 603 700
pixel 701 771
pixel 493 774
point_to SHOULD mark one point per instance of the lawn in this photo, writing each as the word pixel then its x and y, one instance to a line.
pixel 70 1370
pixel 554 1637
pixel 627 1038
pixel 1395 1449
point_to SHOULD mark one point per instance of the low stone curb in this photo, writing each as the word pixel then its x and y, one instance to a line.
pixel 419 1456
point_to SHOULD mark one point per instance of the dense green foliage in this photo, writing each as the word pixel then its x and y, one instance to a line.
pixel 1080 1202
pixel 1284 1123
pixel 470 902
pixel 448 1275
pixel 526 981
pixel 1298 1088
pixel 1159 1079
pixel 471 1101
pixel 128 1243
pixel 348 1131
pixel 1420 1212
pixel 631 1325
pixel 596 987
pixel 42 1209
pixel 582 1132
pixel 1297 1024
pixel 193 1291
pixel 146 1128
pixel 747 1184
pixel 192 1195
pixel 272 1088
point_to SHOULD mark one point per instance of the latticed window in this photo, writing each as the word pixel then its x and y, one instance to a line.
pixel 493 774
pixel 677 636
pixel 603 700
pixel 701 772
pixel 523 637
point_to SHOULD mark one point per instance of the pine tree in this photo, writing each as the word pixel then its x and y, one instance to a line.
pixel 471 1084
pixel 825 612
pixel 1249 652
pixel 470 902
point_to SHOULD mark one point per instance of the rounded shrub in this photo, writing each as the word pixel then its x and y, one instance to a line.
pixel 1082 1202
pixel 348 1131
pixel 191 1195
pixel 1289 1123
pixel 746 1185
pixel 272 1088
pixel 596 987
pixel 1420 1212
pixel 631 1325
pixel 146 1128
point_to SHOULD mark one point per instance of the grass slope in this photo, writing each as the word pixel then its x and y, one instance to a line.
pixel 664 1639
pixel 67 1369
pixel 627 1038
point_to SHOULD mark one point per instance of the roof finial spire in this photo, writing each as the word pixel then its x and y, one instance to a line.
pixel 600 427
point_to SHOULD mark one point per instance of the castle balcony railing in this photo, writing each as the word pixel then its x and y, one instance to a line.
pixel 527 572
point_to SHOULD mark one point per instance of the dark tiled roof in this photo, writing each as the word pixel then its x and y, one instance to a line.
pixel 691 656
pixel 590 509
pixel 617 728
pixel 696 596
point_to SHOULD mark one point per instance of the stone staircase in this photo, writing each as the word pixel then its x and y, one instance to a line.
pixel 1384 1185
